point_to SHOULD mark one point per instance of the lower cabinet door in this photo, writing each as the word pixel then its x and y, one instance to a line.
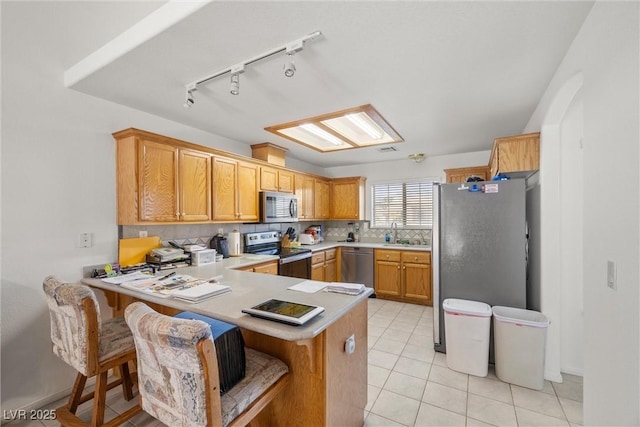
pixel 388 278
pixel 417 281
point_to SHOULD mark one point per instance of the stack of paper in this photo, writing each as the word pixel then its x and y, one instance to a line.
pixel 345 288
pixel 200 292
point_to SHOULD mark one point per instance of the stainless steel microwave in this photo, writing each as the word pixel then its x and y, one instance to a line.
pixel 278 207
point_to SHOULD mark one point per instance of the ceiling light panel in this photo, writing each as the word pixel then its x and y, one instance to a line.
pixel 306 136
pixel 355 127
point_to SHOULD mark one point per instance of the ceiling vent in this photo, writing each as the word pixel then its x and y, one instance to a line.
pixel 387 149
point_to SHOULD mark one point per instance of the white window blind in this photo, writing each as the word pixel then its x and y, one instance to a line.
pixel 409 204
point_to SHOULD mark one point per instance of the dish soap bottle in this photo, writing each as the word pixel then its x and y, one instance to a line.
pixel 387 238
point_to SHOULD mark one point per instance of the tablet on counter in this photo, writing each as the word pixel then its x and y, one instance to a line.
pixel 292 313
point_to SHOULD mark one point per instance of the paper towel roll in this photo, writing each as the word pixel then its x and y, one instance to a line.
pixel 234 243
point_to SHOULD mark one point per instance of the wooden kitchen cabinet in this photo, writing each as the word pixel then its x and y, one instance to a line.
pixel 416 276
pixel 519 153
pixel 461 174
pixel 403 276
pixel 322 199
pixel 272 179
pixel 270 267
pixel 348 198
pixel 174 183
pixel 235 190
pixel 305 190
pixel 324 266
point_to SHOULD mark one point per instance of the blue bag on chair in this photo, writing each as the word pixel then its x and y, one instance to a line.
pixel 229 344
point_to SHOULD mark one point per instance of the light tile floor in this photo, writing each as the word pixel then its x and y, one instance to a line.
pixel 409 384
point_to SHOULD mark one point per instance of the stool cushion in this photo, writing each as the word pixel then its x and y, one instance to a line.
pixel 262 371
pixel 229 349
pixel 115 338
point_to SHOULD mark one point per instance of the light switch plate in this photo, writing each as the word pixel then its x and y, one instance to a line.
pixel 612 279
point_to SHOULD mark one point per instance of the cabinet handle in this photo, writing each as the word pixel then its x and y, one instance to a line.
pixel 398 267
pixel 404 267
pixel 184 214
pixel 415 258
pixel 387 256
pixel 178 215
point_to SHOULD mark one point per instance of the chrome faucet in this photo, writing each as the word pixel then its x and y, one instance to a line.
pixel 394 228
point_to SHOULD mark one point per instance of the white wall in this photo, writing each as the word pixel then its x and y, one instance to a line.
pixel 606 54
pixel 58 180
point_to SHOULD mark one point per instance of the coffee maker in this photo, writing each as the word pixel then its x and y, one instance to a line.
pixel 350 232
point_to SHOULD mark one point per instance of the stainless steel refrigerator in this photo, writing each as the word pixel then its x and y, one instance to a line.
pixel 479 246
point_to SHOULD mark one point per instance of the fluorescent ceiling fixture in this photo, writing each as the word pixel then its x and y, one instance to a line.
pixel 352 128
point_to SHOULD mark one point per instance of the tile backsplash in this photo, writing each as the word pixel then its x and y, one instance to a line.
pixel 338 230
pixel 332 231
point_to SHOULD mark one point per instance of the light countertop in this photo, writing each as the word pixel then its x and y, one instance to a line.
pixel 333 244
pixel 249 289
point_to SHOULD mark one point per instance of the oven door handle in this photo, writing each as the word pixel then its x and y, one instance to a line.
pixel 294 258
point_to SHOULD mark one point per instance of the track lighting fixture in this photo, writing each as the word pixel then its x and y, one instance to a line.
pixel 289 68
pixel 235 84
pixel 189 100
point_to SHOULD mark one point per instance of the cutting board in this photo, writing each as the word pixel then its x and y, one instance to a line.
pixel 134 251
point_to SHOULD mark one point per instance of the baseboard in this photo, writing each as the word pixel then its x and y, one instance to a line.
pixel 556 377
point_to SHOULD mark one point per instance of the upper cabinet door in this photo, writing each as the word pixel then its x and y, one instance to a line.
pixel 285 181
pixel 158 182
pixel 268 179
pixel 195 185
pixel 247 183
pixel 347 196
pixel 224 189
pixel 321 199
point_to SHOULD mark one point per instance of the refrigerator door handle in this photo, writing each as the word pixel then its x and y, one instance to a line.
pixel 435 254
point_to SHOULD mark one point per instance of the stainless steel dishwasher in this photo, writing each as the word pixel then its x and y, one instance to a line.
pixel 357 266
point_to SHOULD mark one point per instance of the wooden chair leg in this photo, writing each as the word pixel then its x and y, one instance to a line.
pixel 75 398
pixel 99 401
pixel 127 384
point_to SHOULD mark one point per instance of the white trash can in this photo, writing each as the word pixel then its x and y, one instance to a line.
pixel 519 341
pixel 466 328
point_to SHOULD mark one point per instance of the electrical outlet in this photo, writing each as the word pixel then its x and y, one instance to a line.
pixel 85 240
pixel 142 233
pixel 220 230
pixel 350 345
pixel 612 279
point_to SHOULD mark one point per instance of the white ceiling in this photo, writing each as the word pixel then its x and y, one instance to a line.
pixel 448 76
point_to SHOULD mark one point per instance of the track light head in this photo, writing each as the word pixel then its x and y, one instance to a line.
pixel 189 100
pixel 289 66
pixel 235 84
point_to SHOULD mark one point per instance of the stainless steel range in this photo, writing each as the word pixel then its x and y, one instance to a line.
pixel 294 262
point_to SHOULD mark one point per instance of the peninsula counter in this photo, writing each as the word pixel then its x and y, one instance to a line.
pixel 327 386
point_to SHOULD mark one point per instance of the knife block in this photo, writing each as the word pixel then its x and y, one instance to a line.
pixel 285 242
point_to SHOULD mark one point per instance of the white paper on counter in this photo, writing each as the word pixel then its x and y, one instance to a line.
pixel 309 286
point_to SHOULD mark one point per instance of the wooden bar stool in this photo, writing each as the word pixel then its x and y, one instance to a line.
pixel 178 366
pixel 92 347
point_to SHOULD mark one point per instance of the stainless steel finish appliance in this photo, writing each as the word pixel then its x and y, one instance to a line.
pixel 293 262
pixel 278 207
pixel 357 266
pixel 479 246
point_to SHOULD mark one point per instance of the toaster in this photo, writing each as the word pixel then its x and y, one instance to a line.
pixel 306 239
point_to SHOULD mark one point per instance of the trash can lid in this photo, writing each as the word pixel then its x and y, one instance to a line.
pixel 463 306
pixel 520 316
